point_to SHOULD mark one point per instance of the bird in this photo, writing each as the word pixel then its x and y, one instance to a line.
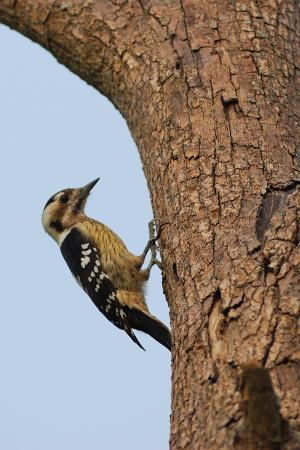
pixel 102 265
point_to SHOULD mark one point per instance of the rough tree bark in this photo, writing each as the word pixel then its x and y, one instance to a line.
pixel 210 90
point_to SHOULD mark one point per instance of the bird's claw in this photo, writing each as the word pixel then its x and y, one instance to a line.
pixel 152 243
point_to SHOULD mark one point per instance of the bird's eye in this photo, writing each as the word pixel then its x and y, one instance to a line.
pixel 64 198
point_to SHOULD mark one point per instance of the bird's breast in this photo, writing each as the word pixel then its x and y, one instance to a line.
pixel 117 261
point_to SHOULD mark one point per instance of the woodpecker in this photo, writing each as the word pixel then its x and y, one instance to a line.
pixel 111 276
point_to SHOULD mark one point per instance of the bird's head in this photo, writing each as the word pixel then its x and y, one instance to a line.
pixel 63 209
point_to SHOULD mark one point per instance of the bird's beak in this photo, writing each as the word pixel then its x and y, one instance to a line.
pixel 85 190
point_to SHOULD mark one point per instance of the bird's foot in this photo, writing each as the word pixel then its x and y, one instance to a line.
pixel 155 227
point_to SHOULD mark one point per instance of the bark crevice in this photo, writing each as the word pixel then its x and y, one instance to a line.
pixel 273 201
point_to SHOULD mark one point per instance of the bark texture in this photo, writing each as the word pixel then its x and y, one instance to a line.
pixel 210 90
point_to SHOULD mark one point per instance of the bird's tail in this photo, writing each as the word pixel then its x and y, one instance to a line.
pixel 150 325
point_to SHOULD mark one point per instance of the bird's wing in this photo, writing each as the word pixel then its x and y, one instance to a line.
pixel 84 261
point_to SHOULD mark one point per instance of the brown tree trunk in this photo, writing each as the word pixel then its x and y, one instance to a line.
pixel 210 90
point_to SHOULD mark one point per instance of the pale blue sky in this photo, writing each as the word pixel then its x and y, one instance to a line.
pixel 68 378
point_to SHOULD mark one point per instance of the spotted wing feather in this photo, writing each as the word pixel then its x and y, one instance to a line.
pixel 84 261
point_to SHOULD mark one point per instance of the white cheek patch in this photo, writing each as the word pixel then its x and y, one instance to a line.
pixel 62 236
pixel 47 218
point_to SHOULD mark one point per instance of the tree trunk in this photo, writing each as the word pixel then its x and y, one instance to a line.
pixel 210 90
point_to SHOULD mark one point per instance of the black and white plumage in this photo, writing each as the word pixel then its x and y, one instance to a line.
pixel 101 264
pixel 84 261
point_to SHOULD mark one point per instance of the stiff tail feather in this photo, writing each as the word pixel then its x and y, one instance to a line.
pixel 135 339
pixel 150 325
